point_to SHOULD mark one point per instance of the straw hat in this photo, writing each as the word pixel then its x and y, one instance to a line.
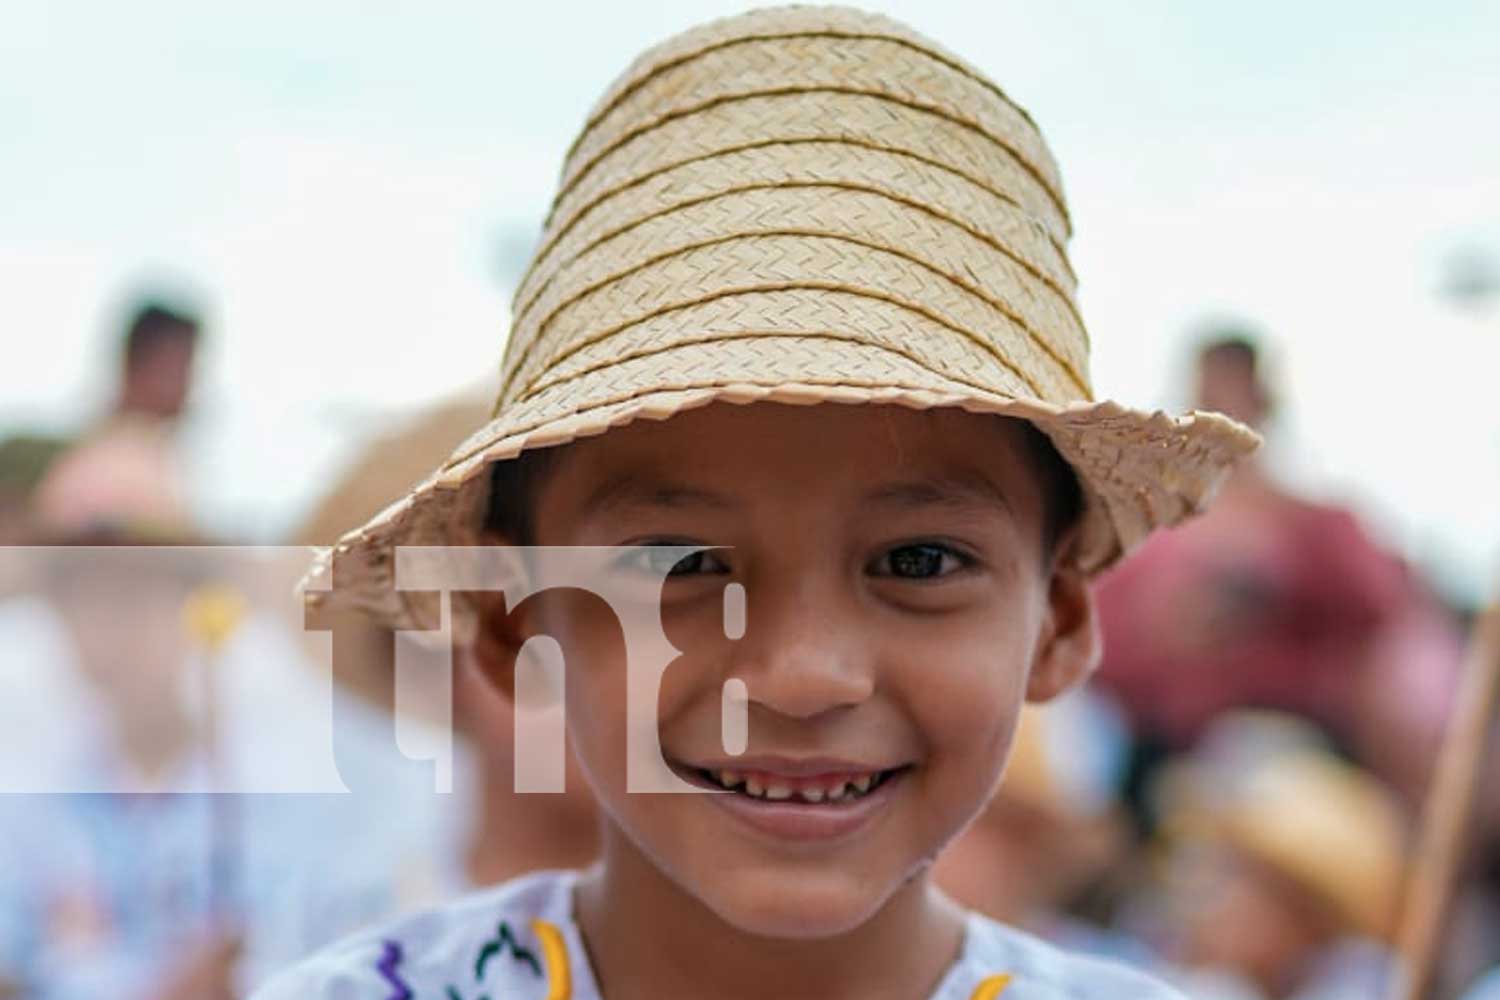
pixel 388 465
pixel 806 205
pixel 1328 826
pixel 364 654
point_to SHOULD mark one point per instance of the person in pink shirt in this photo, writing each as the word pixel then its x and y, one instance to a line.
pixel 1267 600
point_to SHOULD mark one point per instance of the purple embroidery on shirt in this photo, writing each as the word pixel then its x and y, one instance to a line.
pixel 390 957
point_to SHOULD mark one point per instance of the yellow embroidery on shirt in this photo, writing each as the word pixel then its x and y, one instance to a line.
pixel 990 987
pixel 555 954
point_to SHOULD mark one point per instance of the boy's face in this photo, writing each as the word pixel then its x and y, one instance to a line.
pixel 899 610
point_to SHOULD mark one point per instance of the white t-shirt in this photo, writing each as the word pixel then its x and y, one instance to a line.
pixel 519 941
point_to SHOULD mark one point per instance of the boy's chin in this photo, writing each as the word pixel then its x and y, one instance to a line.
pixel 793 905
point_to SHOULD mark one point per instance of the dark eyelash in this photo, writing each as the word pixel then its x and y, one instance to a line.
pixel 946 547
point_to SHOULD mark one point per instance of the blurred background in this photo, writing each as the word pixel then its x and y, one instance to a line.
pixel 1288 210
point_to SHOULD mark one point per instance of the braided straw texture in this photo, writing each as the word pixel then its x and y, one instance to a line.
pixel 806 205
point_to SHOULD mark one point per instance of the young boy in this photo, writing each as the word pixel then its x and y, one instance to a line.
pixel 802 299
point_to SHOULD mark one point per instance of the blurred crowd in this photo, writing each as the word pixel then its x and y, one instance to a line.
pixel 1231 801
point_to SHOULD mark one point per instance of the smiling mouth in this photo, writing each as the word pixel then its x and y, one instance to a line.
pixel 826 790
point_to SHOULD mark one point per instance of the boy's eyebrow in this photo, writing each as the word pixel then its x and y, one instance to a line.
pixel 955 491
pixel 631 490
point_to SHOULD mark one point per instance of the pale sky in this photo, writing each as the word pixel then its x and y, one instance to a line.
pixel 346 187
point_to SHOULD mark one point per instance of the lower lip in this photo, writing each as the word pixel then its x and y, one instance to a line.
pixel 791 820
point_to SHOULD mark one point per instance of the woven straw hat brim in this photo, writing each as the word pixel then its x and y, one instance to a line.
pixel 807 205
pixel 1138 471
pixel 388 467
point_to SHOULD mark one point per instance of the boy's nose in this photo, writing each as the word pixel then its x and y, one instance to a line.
pixel 802 653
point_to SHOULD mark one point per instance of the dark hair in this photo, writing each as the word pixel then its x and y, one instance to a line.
pixel 515 483
pixel 153 324
pixel 510 510
pixel 1062 497
pixel 1233 344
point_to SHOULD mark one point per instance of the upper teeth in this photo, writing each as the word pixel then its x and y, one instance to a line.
pixel 777 791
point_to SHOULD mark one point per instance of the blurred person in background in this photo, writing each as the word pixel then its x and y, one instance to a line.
pixel 1267 600
pixel 129 450
pixel 159 349
pixel 157 859
pixel 1053 831
pixel 63 931
pixel 130 456
pixel 1283 878
pixel 108 894
pixel 123 877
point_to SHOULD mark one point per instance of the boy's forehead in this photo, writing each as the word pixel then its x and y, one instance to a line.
pixel 723 456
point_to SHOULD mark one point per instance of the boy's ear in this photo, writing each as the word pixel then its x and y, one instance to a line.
pixel 1069 645
pixel 499 631
pixel 498 636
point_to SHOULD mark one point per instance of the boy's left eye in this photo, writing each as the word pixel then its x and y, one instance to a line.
pixel 698 563
pixel 666 559
pixel 924 561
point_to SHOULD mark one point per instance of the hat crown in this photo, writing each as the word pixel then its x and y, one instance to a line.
pixel 799 178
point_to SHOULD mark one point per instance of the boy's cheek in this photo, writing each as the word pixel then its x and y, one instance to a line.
pixel 967 707
pixel 967 687
pixel 596 688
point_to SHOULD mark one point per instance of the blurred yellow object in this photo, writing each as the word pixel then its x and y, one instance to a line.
pixel 212 613
pixel 1066 758
pixel 1326 825
pixel 1029 774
